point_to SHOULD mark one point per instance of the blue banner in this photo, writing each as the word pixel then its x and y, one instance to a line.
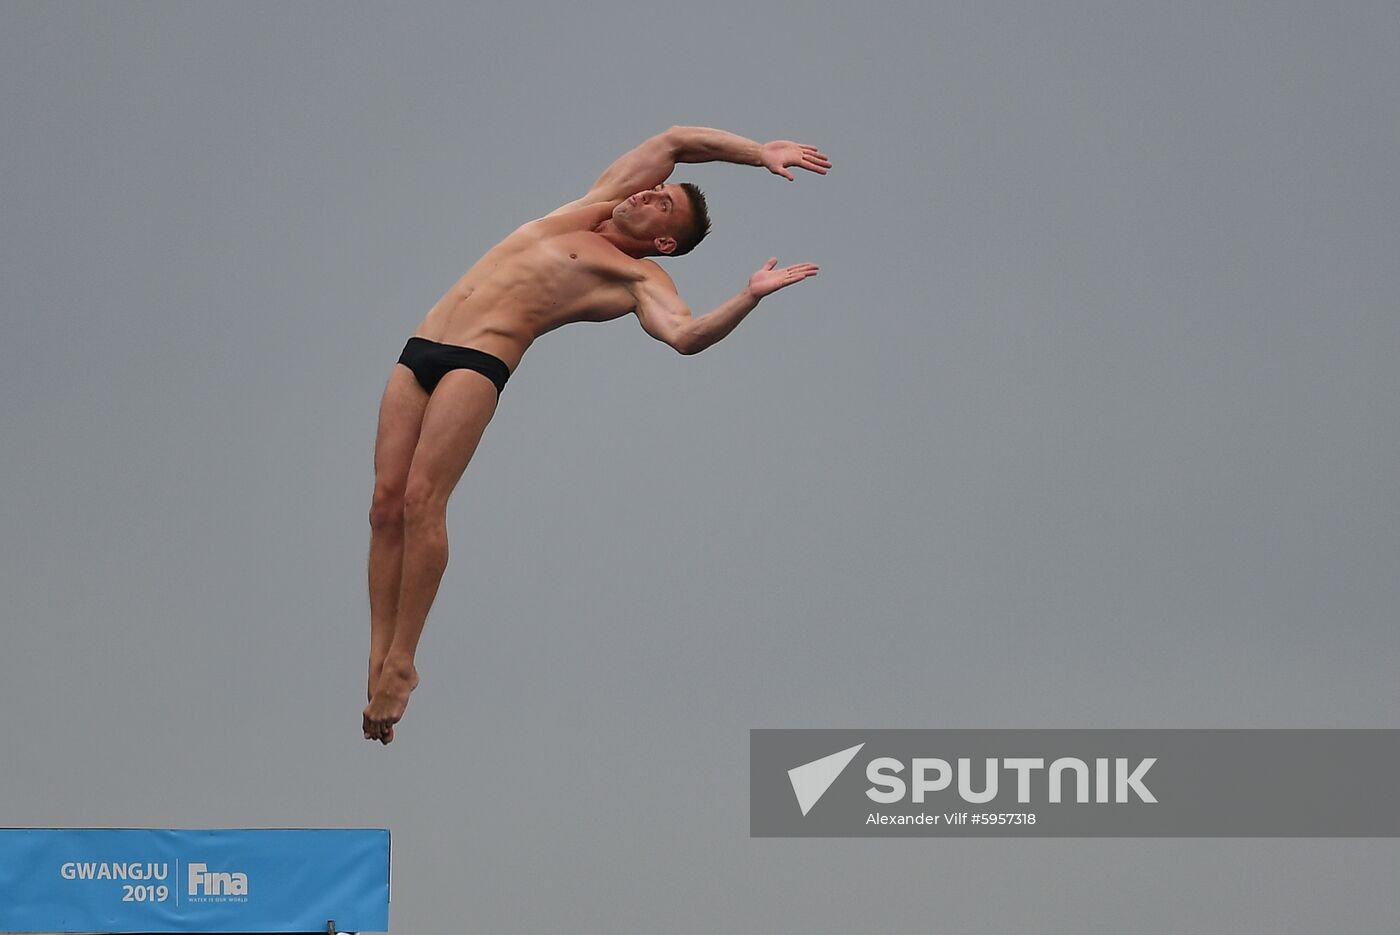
pixel 157 880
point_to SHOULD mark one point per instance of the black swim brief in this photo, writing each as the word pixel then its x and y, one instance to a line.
pixel 431 361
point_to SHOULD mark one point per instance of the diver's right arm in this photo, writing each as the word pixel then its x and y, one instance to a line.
pixel 653 161
pixel 645 167
pixel 703 144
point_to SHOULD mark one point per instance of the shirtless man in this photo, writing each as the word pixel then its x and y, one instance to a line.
pixel 586 261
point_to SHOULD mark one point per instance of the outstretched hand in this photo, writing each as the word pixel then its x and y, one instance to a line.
pixel 778 155
pixel 769 280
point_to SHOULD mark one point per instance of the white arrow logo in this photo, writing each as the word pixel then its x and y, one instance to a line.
pixel 811 780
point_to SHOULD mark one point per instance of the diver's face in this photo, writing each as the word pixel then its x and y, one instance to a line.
pixel 654 213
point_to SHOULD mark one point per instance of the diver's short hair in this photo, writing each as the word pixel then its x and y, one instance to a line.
pixel 699 226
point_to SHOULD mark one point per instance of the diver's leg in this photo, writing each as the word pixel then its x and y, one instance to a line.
pixel 400 418
pixel 456 415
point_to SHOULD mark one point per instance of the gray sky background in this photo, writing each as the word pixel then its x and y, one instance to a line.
pixel 1088 421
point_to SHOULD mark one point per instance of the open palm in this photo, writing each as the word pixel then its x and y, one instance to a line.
pixel 779 155
pixel 769 280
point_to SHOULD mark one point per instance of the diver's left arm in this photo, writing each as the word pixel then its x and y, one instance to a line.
pixel 665 316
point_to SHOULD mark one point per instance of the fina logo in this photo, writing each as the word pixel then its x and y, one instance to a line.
pixel 205 883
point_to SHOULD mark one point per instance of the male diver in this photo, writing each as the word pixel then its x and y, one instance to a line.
pixel 585 261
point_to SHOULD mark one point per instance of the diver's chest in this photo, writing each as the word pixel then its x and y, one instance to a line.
pixel 576 255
